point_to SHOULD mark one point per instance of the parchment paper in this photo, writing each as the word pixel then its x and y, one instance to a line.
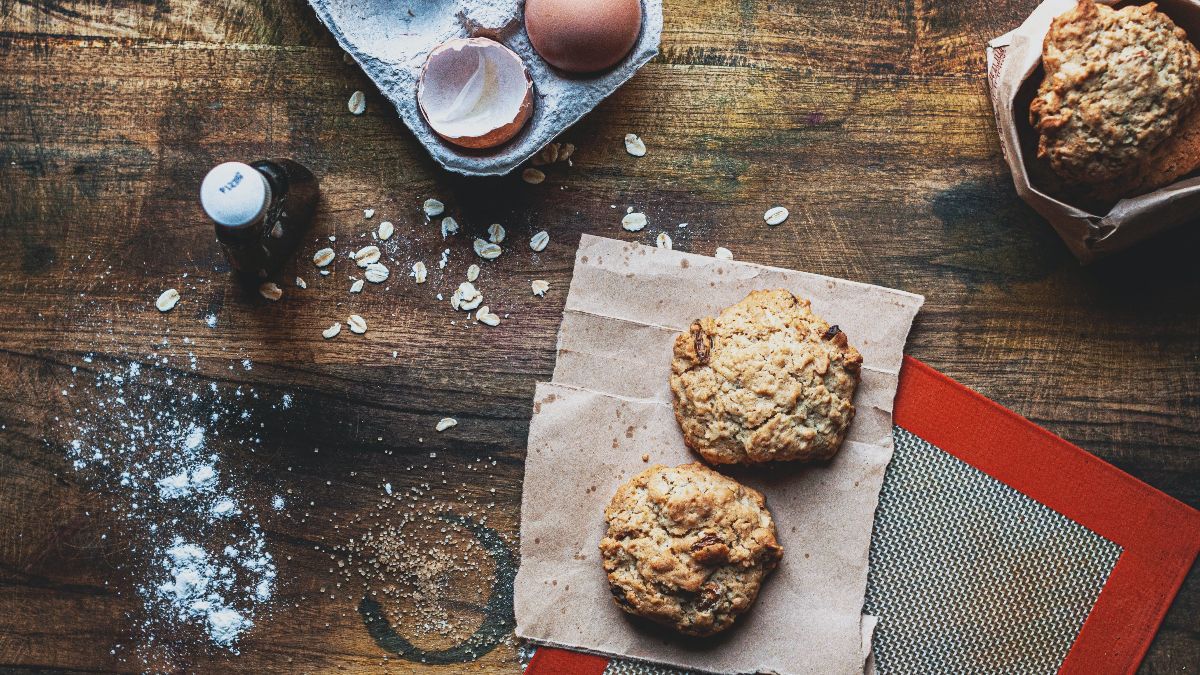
pixel 1013 59
pixel 609 403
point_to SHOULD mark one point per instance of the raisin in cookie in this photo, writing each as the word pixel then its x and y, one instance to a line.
pixel 1117 84
pixel 765 380
pixel 687 547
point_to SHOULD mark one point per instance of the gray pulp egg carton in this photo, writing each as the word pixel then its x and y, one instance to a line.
pixel 391 40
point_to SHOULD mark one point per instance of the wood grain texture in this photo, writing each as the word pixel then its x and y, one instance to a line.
pixel 869 122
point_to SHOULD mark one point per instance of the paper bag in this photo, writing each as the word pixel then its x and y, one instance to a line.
pixel 1014 72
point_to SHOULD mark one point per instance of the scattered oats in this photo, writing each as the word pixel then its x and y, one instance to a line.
pixel 377 273
pixel 418 272
pixel 357 286
pixel 538 241
pixel 167 300
pixel 723 253
pixel 682 225
pixel 496 233
pixel 628 209
pixel 548 155
pixel 486 317
pixel 368 214
pixel 385 230
pixel 487 250
pixel 271 291
pixel 663 241
pixel 323 257
pixel 445 259
pixel 366 255
pixel 533 176
pixel 332 331
pixel 301 283
pixel 565 152
pixel 633 221
pixel 540 287
pixel 445 423
pixel 634 145
pixel 449 226
pixel 466 297
pixel 433 207
pixel 357 103
pixel 277 230
pixel 775 215
pixel 473 272
pixel 324 273
pixel 357 324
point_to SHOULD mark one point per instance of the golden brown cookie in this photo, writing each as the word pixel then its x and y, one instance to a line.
pixel 687 547
pixel 1173 159
pixel 1117 84
pixel 765 380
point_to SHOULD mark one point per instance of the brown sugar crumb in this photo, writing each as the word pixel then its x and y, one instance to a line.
pixel 414 553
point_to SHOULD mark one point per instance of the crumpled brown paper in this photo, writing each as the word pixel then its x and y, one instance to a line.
pixel 609 403
pixel 1012 59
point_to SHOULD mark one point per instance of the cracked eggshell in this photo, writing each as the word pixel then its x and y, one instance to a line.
pixel 475 92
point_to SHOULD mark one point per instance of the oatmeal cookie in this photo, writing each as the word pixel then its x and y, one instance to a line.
pixel 1117 84
pixel 765 380
pixel 1173 159
pixel 687 547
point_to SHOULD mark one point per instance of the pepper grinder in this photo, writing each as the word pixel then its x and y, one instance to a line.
pixel 261 211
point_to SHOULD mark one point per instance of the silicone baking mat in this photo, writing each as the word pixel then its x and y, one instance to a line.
pixel 999 548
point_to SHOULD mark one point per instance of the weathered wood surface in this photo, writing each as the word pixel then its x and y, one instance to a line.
pixel 869 121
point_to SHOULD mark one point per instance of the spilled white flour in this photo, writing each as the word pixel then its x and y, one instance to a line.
pixel 149 441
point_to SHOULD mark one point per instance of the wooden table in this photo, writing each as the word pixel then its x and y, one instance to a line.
pixel 869 121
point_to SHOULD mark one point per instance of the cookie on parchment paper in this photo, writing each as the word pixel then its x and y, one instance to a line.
pixel 766 380
pixel 688 547
pixel 1118 84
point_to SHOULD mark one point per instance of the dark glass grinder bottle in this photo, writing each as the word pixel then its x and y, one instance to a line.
pixel 261 211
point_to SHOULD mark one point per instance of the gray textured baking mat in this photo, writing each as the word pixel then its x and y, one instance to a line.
pixel 391 41
pixel 967 574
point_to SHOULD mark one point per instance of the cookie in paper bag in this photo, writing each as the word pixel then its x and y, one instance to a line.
pixel 688 548
pixel 766 380
pixel 1112 112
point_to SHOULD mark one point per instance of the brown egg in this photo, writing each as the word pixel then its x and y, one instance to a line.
pixel 583 36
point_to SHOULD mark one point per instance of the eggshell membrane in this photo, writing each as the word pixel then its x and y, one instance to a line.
pixel 475 92
pixel 583 36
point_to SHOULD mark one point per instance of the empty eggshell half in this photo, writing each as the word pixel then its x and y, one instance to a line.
pixel 475 92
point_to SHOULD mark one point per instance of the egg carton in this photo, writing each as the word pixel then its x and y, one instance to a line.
pixel 391 40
